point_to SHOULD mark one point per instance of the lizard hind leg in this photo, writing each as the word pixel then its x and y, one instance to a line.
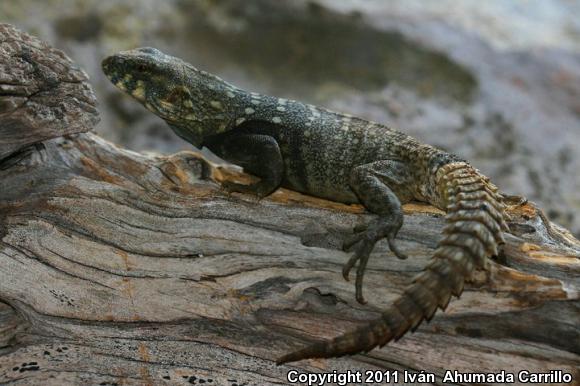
pixel 374 185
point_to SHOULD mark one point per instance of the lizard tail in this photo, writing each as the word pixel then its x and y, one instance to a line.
pixel 474 221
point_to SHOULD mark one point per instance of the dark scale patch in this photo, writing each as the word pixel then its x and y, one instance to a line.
pixel 296 164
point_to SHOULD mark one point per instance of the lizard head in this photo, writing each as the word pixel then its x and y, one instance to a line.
pixel 194 103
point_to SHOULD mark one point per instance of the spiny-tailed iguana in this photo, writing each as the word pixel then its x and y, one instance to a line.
pixel 338 157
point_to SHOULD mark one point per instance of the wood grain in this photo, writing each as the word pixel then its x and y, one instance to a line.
pixel 123 268
pixel 43 94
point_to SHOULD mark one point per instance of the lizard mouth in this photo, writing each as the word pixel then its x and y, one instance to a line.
pixel 115 67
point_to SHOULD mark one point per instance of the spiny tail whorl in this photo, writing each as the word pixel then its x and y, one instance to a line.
pixel 474 220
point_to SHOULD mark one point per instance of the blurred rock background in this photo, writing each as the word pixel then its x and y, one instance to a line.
pixel 496 82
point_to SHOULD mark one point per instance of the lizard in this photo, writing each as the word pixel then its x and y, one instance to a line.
pixel 338 157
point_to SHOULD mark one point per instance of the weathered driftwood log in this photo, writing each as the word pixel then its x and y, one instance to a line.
pixel 121 268
pixel 42 93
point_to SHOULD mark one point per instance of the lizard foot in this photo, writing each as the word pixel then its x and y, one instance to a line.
pixel 363 243
pixel 256 189
pixel 513 201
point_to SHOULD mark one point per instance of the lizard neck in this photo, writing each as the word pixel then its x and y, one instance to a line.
pixel 252 106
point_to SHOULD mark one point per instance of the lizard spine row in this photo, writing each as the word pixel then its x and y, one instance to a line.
pixel 474 221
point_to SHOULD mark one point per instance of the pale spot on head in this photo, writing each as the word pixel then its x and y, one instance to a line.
pixel 128 77
pixel 308 124
pixel 282 101
pixel 211 86
pixel 191 117
pixel 230 94
pixel 307 133
pixel 344 128
pixel 216 105
pixel 255 102
pixel 281 108
pixel 139 93
pixel 311 118
pixel 188 103
pixel 249 110
pixel 355 141
pixel 240 121
pixel 276 120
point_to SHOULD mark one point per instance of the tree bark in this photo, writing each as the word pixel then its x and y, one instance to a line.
pixel 123 268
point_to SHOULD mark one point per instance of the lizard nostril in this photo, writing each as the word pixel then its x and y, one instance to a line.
pixel 110 63
pixel 106 63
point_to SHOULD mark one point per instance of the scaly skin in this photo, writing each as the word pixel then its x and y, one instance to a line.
pixel 338 157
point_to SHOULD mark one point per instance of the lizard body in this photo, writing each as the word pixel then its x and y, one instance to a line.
pixel 338 157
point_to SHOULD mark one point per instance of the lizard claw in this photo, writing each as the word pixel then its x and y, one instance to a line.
pixel 395 249
pixel 351 241
pixel 512 201
pixel 224 188
pixel 362 255
pixel 254 189
pixel 363 243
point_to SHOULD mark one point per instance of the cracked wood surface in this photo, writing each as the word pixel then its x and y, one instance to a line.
pixel 143 268
pixel 123 268
pixel 42 93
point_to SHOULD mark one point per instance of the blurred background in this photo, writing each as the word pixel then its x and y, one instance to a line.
pixel 497 82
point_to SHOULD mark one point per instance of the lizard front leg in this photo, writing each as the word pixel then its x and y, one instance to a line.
pixel 374 184
pixel 258 154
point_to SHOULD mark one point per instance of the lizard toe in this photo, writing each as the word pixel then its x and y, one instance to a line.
pixel 395 248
